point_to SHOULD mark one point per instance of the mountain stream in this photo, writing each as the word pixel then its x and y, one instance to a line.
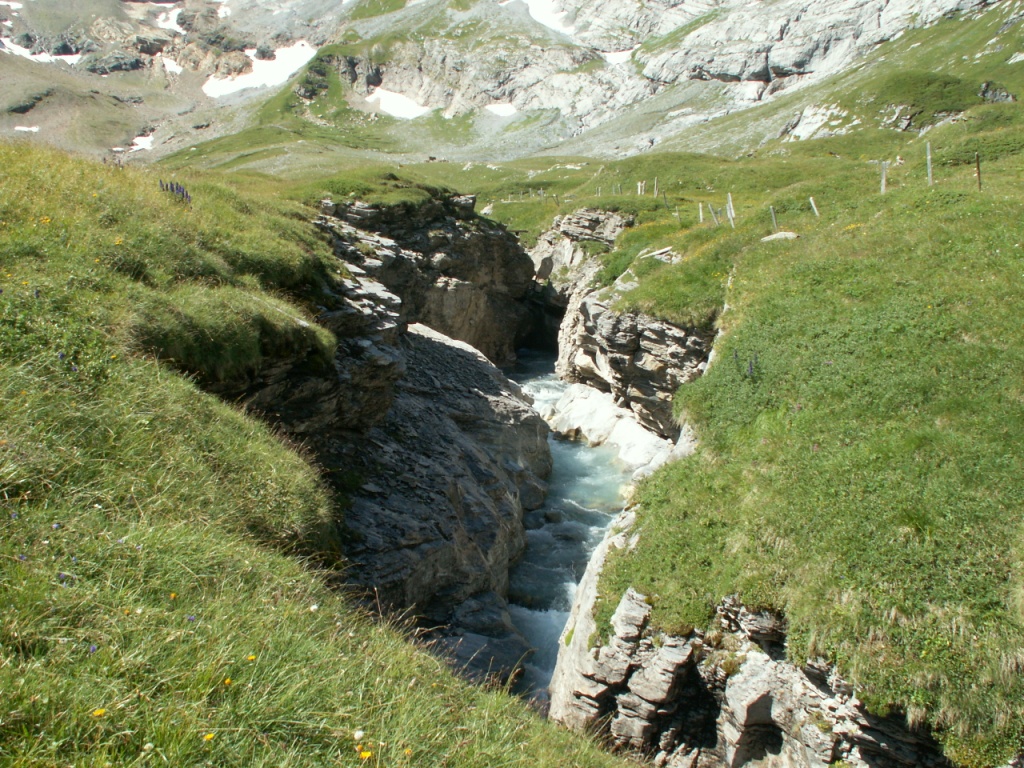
pixel 585 494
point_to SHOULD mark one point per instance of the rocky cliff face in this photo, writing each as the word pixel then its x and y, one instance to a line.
pixel 436 453
pixel 462 275
pixel 723 698
pixel 637 358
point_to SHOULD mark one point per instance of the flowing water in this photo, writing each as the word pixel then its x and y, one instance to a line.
pixel 583 498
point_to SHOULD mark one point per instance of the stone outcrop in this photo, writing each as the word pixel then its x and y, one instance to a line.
pixel 592 415
pixel 435 453
pixel 561 249
pixel 710 699
pixel 462 275
pixel 436 518
pixel 640 360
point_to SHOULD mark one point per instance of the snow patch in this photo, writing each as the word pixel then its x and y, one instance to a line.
pixel 546 12
pixel 1017 57
pixel 502 109
pixel 172 66
pixel 286 62
pixel 169 20
pixel 620 57
pixel 27 128
pixel 397 105
pixel 9 46
pixel 140 143
pixel 12 5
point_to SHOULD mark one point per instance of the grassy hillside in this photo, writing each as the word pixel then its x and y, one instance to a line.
pixel 154 608
pixel 862 429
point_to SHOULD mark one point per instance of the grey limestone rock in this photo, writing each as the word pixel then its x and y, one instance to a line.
pixel 639 359
pixel 704 702
pixel 464 276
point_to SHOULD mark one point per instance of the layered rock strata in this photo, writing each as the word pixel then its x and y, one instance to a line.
pixel 462 275
pixel 434 452
pixel 640 360
pixel 708 699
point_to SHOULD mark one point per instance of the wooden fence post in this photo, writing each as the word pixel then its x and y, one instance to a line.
pixel 713 217
pixel 775 221
pixel 815 209
pixel 885 172
pixel 977 168
pixel 928 150
pixel 700 212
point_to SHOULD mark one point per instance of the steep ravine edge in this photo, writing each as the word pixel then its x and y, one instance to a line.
pixel 724 697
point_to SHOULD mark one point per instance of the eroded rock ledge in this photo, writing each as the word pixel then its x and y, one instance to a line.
pixel 639 359
pixel 455 272
pixel 722 698
pixel 434 453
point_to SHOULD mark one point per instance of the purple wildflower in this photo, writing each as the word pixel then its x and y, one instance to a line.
pixel 92 649
pixel 61 355
pixel 191 618
pixel 120 541
pixel 74 368
pixel 55 526
pixel 23 558
pixel 14 515
pixel 62 576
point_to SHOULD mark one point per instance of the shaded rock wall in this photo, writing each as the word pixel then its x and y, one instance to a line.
pixel 433 451
pixel 462 275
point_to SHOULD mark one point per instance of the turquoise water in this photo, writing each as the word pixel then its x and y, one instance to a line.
pixel 583 498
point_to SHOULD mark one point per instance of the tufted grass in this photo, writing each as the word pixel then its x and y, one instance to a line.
pixel 861 439
pixel 157 600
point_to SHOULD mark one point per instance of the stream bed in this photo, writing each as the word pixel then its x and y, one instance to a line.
pixel 584 495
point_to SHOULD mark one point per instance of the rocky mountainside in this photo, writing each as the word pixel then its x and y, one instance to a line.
pixel 527 74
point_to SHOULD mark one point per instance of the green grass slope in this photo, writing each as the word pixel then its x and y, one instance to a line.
pixel 153 606
pixel 862 429
pixel 861 449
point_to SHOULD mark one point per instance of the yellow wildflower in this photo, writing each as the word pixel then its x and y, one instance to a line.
pixel 174 595
pixel 365 755
pixel 208 737
pixel 118 241
pixel 227 681
pixel 99 712
pixel 251 657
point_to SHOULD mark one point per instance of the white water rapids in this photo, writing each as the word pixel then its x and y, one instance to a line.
pixel 584 496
